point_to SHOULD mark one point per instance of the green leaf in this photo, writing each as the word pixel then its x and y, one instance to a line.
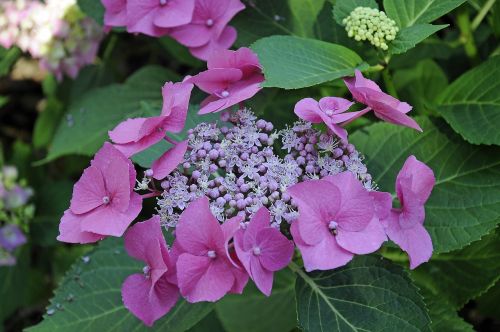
pixel 13 280
pixel 409 37
pixel 465 274
pixel 420 85
pixel 293 62
pixel 93 8
pixel 443 316
pixel 368 294
pixel 254 312
pixel 3 100
pixel 471 104
pixel 343 8
pixel 304 14
pixel 8 58
pixel 211 323
pixel 409 12
pixel 487 304
pixel 89 297
pixel 89 118
pixel 465 202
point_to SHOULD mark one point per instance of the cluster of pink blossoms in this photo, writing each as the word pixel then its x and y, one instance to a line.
pixel 55 31
pixel 226 184
pixel 200 25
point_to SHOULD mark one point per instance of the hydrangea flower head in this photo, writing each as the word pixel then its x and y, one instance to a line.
pixel 104 202
pixel 151 294
pixel 262 250
pixel 205 271
pixel 336 220
pixel 383 105
pixel 405 225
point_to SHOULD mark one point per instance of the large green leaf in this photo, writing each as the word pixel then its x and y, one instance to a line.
pixel 99 110
pixel 89 297
pixel 408 37
pixel 465 202
pixel 293 62
pixel 461 275
pixel 304 13
pixel 254 312
pixel 369 294
pixel 93 8
pixel 343 8
pixel 13 284
pixel 409 12
pixel 471 104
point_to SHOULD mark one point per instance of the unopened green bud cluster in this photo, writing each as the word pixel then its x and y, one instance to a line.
pixel 365 23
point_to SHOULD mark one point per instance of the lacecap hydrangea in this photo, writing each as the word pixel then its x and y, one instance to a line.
pixel 240 197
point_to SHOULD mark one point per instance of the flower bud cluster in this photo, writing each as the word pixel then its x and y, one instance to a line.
pixel 56 32
pixel 238 167
pixel 365 23
pixel 15 213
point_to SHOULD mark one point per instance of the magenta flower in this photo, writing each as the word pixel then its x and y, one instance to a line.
pixel 330 110
pixel 232 77
pixel 151 294
pixel 115 14
pixel 385 106
pixel 210 18
pixel 337 219
pixel 205 271
pixel 169 160
pixel 262 250
pixel 405 226
pixel 104 202
pixel 153 17
pixel 135 135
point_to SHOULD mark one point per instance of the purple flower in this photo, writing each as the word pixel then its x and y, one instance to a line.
pixel 232 77
pixel 11 237
pixel 205 271
pixel 337 219
pixel 134 135
pixel 104 202
pixel 405 226
pixel 262 250
pixel 330 110
pixel 385 106
pixel 151 294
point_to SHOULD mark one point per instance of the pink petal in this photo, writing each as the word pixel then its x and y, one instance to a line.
pixel 140 17
pixel 421 179
pixel 335 104
pixel 356 209
pixel 70 230
pixel 212 104
pixel 203 278
pixel 88 192
pixel 382 203
pixel 240 280
pixel 130 149
pixel 198 231
pixel 262 277
pixel 319 202
pixel 216 80
pixel 243 58
pixel 308 109
pixel 107 221
pixel 192 35
pixel 133 130
pixel 226 39
pixel 169 161
pixel 116 177
pixel 140 235
pixel 146 302
pixel 175 105
pixel 325 255
pixel 109 153
pixel 175 13
pixel 416 241
pixel 365 241
pixel 276 250
pixel 230 226
pixel 260 220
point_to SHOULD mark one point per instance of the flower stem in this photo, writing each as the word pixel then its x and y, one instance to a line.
pixel 389 84
pixel 482 14
pixel 466 36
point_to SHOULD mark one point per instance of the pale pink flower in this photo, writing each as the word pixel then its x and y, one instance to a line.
pixel 405 226
pixel 385 106
pixel 135 135
pixel 205 271
pixel 337 219
pixel 151 294
pixel 104 202
pixel 262 250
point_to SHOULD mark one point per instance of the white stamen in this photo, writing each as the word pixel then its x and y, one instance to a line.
pixel 163 2
pixel 256 251
pixel 225 94
pixel 333 225
pixel 209 22
pixel 105 199
pixel 211 254
pixel 146 271
pixel 329 112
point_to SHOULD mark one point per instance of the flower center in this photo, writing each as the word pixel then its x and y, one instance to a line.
pixel 146 270
pixel 329 112
pixel 224 94
pixel 256 251
pixel 163 2
pixel 332 225
pixel 105 200
pixel 209 22
pixel 211 254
